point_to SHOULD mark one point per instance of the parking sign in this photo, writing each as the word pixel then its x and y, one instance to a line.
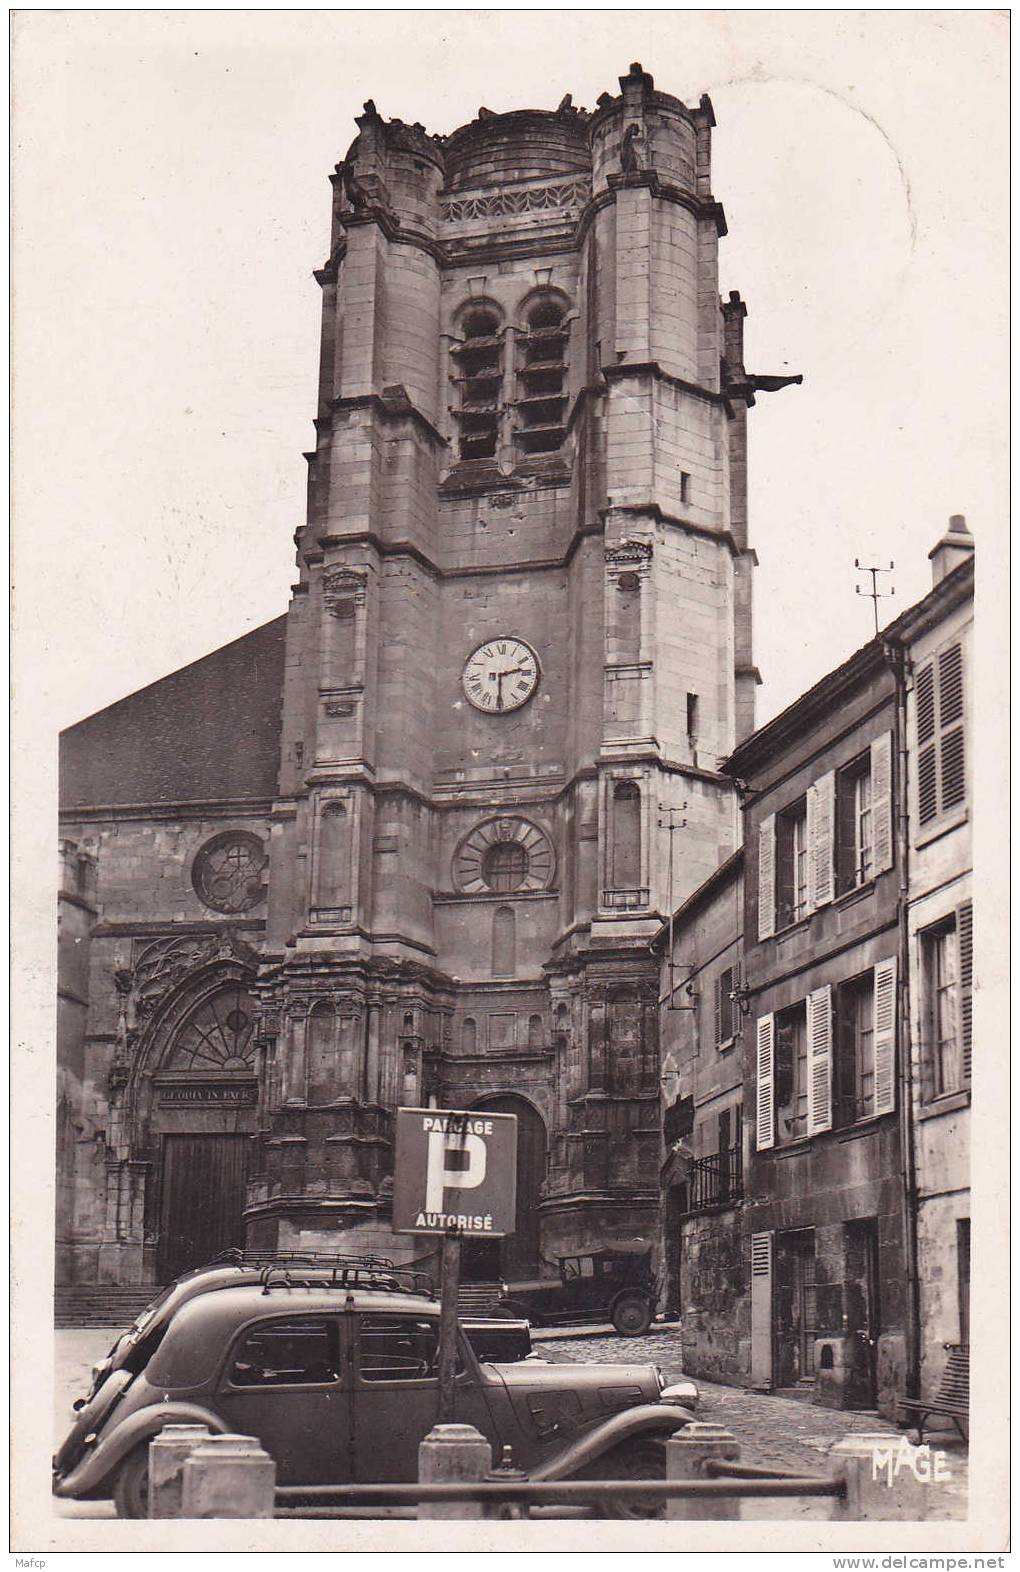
pixel 455 1171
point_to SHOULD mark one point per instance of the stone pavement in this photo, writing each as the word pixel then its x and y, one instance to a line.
pixel 773 1432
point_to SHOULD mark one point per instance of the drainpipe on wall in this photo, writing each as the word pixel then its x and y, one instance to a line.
pixel 898 663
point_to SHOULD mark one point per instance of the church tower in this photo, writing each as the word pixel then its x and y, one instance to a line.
pixel 518 647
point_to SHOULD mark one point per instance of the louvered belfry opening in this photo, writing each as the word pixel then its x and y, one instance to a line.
pixel 480 380
pixel 541 378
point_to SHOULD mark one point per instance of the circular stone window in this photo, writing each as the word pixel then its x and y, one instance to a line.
pixel 503 856
pixel 505 866
pixel 227 873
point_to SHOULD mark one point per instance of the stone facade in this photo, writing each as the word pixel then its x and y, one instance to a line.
pixel 372 883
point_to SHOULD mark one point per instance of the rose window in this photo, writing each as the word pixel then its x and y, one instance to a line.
pixel 228 872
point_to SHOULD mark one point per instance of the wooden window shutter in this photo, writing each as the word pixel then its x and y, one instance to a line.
pixel 819 1030
pixel 767 877
pixel 718 1009
pixel 952 774
pixel 885 1036
pixel 821 834
pixel 882 803
pixel 965 984
pixel 761 1310
pixel 927 747
pixel 765 1125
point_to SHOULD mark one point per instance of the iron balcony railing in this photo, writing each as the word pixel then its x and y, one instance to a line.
pixel 717 1180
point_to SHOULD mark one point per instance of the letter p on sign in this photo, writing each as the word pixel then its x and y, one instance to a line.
pixel 465 1173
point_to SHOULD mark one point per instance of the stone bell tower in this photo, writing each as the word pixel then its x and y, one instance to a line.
pixel 518 646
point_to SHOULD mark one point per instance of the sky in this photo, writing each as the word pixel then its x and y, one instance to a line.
pixel 171 201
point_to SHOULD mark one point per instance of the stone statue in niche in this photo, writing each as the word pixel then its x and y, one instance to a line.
pixel 635 153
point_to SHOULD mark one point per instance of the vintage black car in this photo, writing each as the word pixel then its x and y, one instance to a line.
pixel 339 1382
pixel 613 1284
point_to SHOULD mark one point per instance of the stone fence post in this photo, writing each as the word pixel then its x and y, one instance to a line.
pixel 452 1454
pixel 886 1478
pixel 229 1476
pixel 168 1453
pixel 687 1452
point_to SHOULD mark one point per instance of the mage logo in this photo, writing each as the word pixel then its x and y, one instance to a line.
pixel 454 1170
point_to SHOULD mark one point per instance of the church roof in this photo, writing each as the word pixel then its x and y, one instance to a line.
pixel 207 733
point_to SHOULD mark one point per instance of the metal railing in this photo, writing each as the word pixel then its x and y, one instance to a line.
pixel 728 1481
pixel 716 1180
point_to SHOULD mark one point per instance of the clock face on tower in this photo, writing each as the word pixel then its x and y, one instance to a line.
pixel 500 675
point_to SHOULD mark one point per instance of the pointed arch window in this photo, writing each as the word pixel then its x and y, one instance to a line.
pixel 479 379
pixel 542 378
pixel 218 1036
pixel 504 942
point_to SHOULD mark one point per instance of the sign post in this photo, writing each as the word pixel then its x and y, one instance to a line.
pixel 455 1175
pixel 449 1278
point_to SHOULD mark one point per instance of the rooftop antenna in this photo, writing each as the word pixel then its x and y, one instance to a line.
pixel 874 594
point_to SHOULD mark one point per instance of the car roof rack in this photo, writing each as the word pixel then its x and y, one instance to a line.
pixel 282 1269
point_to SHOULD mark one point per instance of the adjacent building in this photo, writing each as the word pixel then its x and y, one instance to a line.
pixel 816 1238
pixel 411 840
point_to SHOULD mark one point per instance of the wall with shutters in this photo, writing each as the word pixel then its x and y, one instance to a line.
pixel 941 889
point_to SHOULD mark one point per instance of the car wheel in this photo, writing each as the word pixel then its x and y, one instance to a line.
pixel 131 1486
pixel 632 1315
pixel 521 1313
pixel 638 1459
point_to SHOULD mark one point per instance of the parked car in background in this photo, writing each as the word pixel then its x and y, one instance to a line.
pixel 613 1284
pixel 339 1383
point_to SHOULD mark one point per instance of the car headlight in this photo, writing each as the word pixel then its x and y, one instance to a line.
pixel 684 1393
pixel 504 1290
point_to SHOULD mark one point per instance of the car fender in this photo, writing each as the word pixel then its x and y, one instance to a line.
pixel 633 1291
pixel 101 1461
pixel 647 1419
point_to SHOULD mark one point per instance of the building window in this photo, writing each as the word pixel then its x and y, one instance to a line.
pixel 791 1074
pixel 685 486
pixel 541 379
pixel 941 772
pixel 692 716
pixel 854 837
pixel 855 1050
pixel 946 963
pixel 791 864
pixel 505 866
pixel 480 381
pixel 727 1015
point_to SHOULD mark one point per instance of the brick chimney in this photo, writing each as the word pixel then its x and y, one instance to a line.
pixel 956 545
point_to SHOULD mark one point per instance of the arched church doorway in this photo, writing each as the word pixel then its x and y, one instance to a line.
pixel 203 1116
pixel 516 1256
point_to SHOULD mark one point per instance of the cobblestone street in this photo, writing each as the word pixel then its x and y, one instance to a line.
pixel 773 1432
